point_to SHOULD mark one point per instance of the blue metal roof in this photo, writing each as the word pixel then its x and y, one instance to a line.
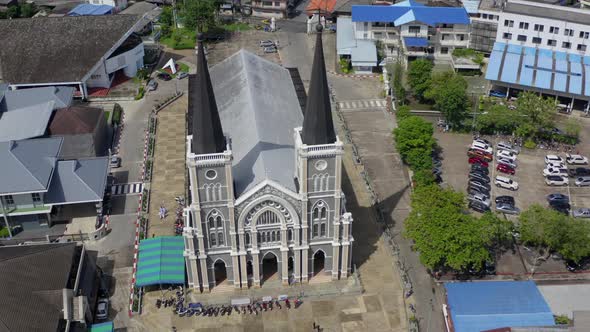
pixel 480 306
pixel 557 72
pixel 418 12
pixel 415 42
pixel 87 9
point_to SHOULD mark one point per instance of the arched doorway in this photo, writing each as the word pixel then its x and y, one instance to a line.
pixel 220 272
pixel 291 269
pixel 319 260
pixel 270 267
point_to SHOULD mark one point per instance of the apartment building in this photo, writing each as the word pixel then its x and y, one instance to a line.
pixel 269 8
pixel 543 48
pixel 411 30
pixel 484 15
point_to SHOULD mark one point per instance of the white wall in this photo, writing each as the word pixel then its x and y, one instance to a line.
pixel 118 4
pixel 99 79
pixel 560 37
pixel 127 61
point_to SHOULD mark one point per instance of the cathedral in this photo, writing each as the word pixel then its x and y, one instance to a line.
pixel 265 202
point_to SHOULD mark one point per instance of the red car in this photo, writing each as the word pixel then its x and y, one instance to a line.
pixel 477 160
pixel 505 169
pixel 480 154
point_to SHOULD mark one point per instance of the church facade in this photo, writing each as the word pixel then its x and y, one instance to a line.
pixel 265 180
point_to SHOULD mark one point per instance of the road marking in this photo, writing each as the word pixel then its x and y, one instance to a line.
pixel 127 188
pixel 362 104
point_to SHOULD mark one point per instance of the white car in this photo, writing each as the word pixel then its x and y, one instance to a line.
pixel 482 146
pixel 508 147
pixel 555 165
pixel 556 180
pixel 511 163
pixel 583 181
pixel 555 171
pixel 506 183
pixel 551 158
pixel 102 309
pixel 506 155
pixel 480 198
pixel 576 159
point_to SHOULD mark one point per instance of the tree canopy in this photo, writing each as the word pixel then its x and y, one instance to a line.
pixel 419 73
pixel 449 93
pixel 414 141
pixel 535 110
pixel 199 14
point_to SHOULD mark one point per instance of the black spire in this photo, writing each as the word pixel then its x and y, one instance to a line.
pixel 207 133
pixel 318 127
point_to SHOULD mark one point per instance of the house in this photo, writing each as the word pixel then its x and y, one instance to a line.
pixel 409 30
pixel 149 13
pixel 86 9
pixel 119 5
pixel 83 52
pixel 265 180
pixel 543 48
pixel 47 287
pixel 269 8
pixel 34 183
pixel 489 305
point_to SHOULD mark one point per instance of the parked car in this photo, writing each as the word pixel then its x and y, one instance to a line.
pixel 506 155
pixel 480 173
pixel 152 85
pixel 578 171
pixel 482 141
pixel 480 168
pixel 505 199
pixel 482 146
pixel 576 159
pixel 267 43
pixel 473 190
pixel 506 183
pixel 164 76
pixel 474 182
pixel 480 154
pixel 557 197
pixel 561 209
pixel 270 49
pixel 115 161
pixel 181 75
pixel 551 158
pixel 478 161
pixel 498 94
pixel 508 162
pixel 505 169
pixel 480 198
pixel 581 213
pixel 583 181
pixel 479 207
pixel 556 180
pixel 479 176
pixel 572 266
pixel 102 309
pixel 555 165
pixel 508 147
pixel 555 171
pixel 507 208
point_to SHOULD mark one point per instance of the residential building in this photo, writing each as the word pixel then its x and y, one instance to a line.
pixel 269 8
pixel 266 204
pixel 35 184
pixel 409 30
pixel 119 5
pixel 84 52
pixel 48 287
pixel 86 9
pixel 484 15
pixel 542 48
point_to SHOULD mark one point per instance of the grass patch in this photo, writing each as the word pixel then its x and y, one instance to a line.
pixel 4 232
pixel 183 67
pixel 239 26
pixel 180 39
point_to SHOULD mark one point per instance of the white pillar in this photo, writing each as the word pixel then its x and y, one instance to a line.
pixel 284 266
pixel 236 270
pixel 256 268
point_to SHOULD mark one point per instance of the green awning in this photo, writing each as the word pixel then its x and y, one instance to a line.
pixel 161 261
pixel 102 327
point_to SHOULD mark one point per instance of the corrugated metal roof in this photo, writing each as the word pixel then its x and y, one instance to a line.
pixel 28 165
pixel 25 122
pixel 557 72
pixel 87 9
pixel 161 261
pixel 399 14
pixel 77 181
pixel 480 306
pixel 259 110
pixel 362 52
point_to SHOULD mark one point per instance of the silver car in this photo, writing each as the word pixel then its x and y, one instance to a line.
pixel 583 181
pixel 581 213
pixel 507 209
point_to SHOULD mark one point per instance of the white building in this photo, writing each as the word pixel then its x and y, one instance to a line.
pixel 543 48
pixel 412 30
pixel 119 5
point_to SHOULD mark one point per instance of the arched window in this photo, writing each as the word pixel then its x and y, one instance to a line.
pixel 211 222
pixel 315 230
pixel 220 238
pixel 279 236
pixel 325 182
pixel 290 235
pixel 316 214
pixel 207 193
pixel 247 239
pixel 323 213
pixel 215 223
pixel 219 191
pixel 212 239
pixel 319 219
pixel 219 222
pixel 258 237
pixel 316 182
pixel 323 229
pixel 274 237
pixel 263 237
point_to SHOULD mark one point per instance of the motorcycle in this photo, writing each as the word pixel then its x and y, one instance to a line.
pixel 288 303
pixel 158 303
pixel 298 302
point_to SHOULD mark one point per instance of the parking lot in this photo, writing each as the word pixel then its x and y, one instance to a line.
pixel 532 190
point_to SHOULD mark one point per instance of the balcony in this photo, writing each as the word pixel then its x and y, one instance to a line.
pixel 21 211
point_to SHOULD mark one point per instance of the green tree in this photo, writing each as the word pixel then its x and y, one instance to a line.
pixel 576 240
pixel 497 119
pixel 419 73
pixel 423 177
pixel 399 90
pixel 535 110
pixel 27 10
pixel 542 227
pixel 449 93
pixel 13 12
pixel 414 141
pixel 167 17
pixel 572 127
pixel 402 113
pixel 199 14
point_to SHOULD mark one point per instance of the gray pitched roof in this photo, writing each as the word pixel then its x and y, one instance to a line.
pixel 259 110
pixel 553 12
pixel 139 8
pixel 58 49
pixel 76 181
pixel 32 280
pixel 61 95
pixel 28 165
